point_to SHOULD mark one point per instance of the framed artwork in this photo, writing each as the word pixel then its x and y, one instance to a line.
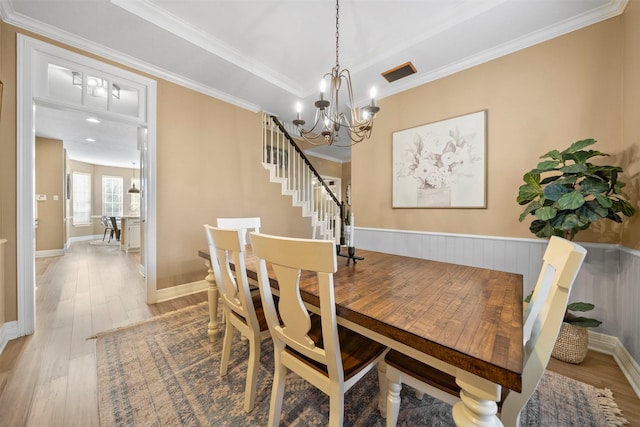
pixel 441 164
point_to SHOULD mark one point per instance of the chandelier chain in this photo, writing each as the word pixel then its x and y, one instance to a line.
pixel 333 119
pixel 337 32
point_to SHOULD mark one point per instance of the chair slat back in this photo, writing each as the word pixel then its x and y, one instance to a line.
pixel 561 262
pixel 543 319
pixel 226 248
pixel 289 258
pixel 243 224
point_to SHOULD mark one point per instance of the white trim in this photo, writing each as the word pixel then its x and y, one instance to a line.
pixel 8 331
pixel 613 8
pixel 25 244
pixel 181 290
pixel 11 17
pixel 611 345
pixel 27 49
pixel 85 238
pixel 49 252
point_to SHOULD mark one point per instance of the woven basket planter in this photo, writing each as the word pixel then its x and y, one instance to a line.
pixel 572 343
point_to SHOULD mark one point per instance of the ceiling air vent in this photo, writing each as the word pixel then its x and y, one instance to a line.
pixel 399 72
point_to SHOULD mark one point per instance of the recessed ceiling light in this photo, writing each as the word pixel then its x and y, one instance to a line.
pixel 90 140
pixel 93 120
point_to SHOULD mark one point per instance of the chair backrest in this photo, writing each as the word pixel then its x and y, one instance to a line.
pixel 288 258
pixel 106 222
pixel 543 317
pixel 244 224
pixel 225 247
pixel 114 222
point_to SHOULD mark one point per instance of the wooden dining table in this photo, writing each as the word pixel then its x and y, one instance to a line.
pixel 465 321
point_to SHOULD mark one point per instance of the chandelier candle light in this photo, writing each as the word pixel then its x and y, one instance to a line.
pixel 330 117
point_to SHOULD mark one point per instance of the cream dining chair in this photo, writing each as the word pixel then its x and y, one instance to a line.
pixel 244 224
pixel 325 354
pixel 243 311
pixel 542 320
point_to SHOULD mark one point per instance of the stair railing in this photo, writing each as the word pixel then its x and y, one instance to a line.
pixel 292 169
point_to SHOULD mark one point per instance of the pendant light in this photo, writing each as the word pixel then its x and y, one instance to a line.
pixel 133 189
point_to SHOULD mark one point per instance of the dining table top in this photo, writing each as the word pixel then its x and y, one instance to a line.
pixel 469 317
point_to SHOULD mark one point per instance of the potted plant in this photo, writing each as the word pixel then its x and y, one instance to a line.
pixel 566 194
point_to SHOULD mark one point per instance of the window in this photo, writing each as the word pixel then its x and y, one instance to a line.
pixel 112 195
pixel 81 191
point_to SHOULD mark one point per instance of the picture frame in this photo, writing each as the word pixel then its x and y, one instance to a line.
pixel 441 164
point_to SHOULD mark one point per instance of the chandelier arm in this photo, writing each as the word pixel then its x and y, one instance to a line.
pixel 328 116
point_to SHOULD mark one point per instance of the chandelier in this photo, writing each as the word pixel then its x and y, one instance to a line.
pixel 330 118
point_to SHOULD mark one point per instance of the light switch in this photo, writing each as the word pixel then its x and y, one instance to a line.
pixel 56 197
pixel 41 197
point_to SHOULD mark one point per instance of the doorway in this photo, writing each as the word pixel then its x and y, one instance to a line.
pixel 35 61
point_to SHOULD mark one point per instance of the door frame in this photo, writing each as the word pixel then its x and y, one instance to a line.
pixel 28 50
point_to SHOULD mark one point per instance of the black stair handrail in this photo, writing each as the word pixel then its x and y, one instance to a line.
pixel 307 162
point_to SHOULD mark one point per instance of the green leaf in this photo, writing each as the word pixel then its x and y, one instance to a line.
pixel 585 322
pixel 575 168
pixel 548 165
pixel 594 185
pixel 583 156
pixel 580 306
pixel 605 202
pixel 531 207
pixel 567 180
pixel 554 191
pixel 550 179
pixel 579 145
pixel 546 213
pixel 528 192
pixel 554 154
pixel 541 228
pixel 572 200
pixel 531 178
pixel 567 222
pixel 592 211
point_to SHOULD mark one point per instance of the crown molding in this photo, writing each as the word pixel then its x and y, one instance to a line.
pixel 610 10
pixel 10 16
pixel 156 15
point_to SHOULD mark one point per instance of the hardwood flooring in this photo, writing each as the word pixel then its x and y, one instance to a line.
pixel 49 378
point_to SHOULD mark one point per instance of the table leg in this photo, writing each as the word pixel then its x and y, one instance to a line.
pixel 477 406
pixel 212 294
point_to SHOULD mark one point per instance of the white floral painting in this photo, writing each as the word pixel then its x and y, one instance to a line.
pixel 441 164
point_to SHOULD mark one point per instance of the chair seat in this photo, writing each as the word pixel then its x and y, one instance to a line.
pixel 356 350
pixel 257 304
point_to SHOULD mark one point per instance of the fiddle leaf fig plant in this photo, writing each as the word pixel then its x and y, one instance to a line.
pixel 566 193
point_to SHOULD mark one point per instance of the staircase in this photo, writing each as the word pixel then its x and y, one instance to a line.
pixel 289 167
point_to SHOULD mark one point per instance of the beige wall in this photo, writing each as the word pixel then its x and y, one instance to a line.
pixel 8 166
pixel 50 178
pixel 537 99
pixel 541 98
pixel 631 129
pixel 209 156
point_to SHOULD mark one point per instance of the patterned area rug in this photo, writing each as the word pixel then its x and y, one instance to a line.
pixel 164 372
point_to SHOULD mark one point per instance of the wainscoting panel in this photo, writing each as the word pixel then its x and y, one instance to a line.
pixel 609 277
pixel 628 314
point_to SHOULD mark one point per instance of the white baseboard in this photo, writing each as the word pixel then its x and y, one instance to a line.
pixel 609 344
pixel 8 331
pixel 181 290
pixel 49 252
pixel 84 238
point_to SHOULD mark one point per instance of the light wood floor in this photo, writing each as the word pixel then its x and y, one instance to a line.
pixel 49 378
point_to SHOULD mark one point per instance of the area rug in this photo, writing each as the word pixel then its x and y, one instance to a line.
pixel 165 372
